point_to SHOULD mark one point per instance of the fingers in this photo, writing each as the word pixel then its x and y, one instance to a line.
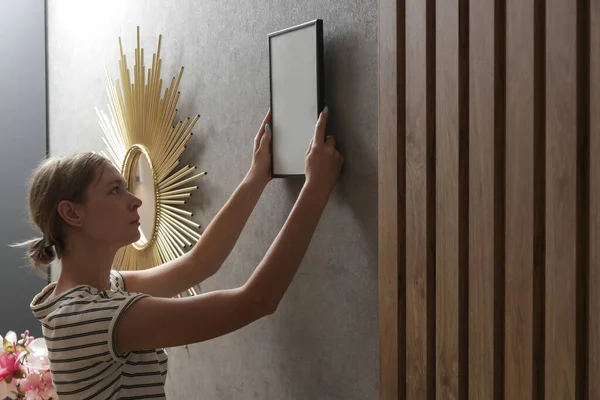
pixel 267 119
pixel 265 139
pixel 319 138
pixel 330 141
pixel 309 145
pixel 257 142
pixel 261 130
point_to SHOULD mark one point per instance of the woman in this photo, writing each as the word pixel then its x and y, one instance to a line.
pixel 106 330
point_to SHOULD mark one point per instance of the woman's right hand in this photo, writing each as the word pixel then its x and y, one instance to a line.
pixel 323 161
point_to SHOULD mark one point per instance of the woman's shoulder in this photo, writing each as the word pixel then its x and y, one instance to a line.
pixel 77 298
pixel 51 302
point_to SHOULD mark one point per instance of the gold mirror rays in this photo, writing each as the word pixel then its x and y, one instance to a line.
pixel 144 142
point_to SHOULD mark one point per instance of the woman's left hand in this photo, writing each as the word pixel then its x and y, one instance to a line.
pixel 260 170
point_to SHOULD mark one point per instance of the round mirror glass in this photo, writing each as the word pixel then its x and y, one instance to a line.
pixel 142 185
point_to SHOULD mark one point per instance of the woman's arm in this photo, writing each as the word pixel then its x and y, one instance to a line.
pixel 219 238
pixel 175 322
pixel 222 234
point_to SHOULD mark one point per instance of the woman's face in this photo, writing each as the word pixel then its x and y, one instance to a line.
pixel 110 212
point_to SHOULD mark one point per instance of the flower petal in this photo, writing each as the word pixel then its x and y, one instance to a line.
pixel 35 362
pixel 11 337
pixel 5 390
pixel 38 346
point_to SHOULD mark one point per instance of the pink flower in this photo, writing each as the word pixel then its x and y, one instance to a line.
pixel 10 365
pixel 32 385
pixel 49 392
pixel 24 368
pixel 38 386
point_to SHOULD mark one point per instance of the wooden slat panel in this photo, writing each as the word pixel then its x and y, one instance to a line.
pixel 447 202
pixel 416 201
pixel 594 271
pixel 561 161
pixel 519 199
pixel 481 199
pixel 388 137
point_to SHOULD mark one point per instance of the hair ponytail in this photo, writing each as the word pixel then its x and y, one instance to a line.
pixel 54 180
pixel 40 254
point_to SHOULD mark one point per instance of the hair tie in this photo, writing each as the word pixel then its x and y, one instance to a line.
pixel 47 245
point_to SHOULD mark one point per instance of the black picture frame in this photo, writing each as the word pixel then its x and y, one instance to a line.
pixel 320 79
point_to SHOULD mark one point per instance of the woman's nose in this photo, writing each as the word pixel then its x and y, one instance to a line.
pixel 137 202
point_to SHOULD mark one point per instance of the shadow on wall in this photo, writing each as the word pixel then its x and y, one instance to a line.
pixel 356 192
pixel 357 186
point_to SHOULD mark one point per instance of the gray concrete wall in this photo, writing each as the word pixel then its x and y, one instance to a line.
pixel 322 342
pixel 22 148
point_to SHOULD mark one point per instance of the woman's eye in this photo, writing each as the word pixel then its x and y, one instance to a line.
pixel 116 189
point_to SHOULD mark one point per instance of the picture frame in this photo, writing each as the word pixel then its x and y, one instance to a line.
pixel 296 80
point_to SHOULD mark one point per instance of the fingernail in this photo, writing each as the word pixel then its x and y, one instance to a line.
pixel 267 128
pixel 326 110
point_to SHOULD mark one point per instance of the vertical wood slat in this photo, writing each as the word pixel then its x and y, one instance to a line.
pixel 390 231
pixel 582 196
pixel 539 200
pixel 481 199
pixel 519 199
pixel 447 201
pixel 594 240
pixel 561 162
pixel 416 200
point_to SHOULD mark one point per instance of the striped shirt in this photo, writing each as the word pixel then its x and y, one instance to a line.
pixel 79 327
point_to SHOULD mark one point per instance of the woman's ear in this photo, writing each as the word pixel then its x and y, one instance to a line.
pixel 69 213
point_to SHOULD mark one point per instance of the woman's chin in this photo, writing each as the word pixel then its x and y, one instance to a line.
pixel 136 237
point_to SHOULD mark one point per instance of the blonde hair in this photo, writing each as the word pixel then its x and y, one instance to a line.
pixel 54 180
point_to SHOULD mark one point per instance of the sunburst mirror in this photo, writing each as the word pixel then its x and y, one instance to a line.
pixel 145 144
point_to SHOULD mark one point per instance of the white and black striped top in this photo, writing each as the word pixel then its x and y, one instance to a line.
pixel 79 327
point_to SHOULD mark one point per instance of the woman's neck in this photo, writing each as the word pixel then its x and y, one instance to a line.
pixel 85 263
